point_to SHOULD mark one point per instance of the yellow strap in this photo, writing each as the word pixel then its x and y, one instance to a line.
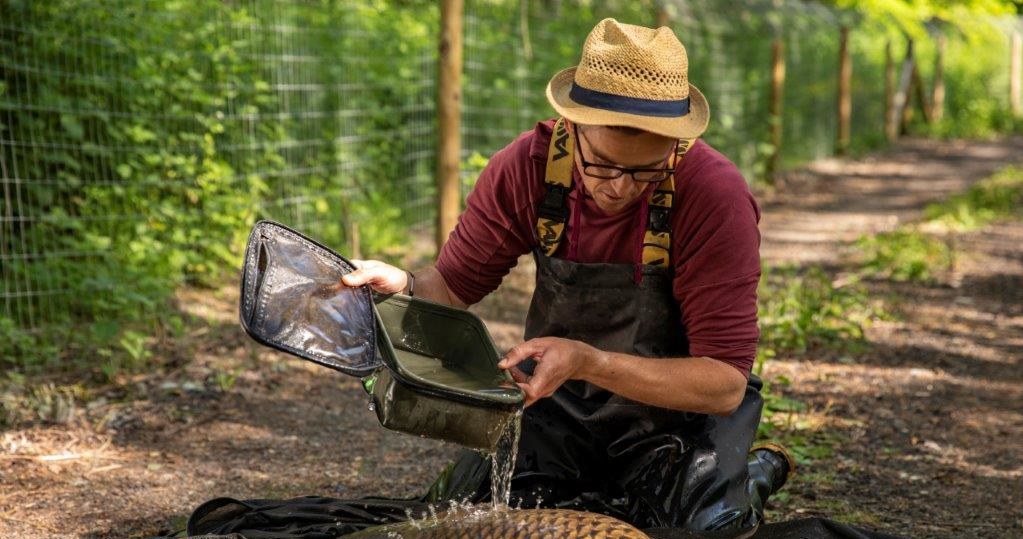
pixel 550 224
pixel 657 243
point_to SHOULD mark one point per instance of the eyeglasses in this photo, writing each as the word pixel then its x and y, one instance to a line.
pixel 611 172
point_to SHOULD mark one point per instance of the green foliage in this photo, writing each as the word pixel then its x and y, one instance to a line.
pixel 145 137
pixel 803 309
pixel 153 134
pixel 912 16
pixel 472 168
pixel 914 253
pixel 975 65
pixel 905 254
pixel 786 421
pixel 382 230
pixel 997 197
pixel 976 72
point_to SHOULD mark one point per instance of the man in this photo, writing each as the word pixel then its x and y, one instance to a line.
pixel 642 330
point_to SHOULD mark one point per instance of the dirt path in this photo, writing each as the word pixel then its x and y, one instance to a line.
pixel 933 409
pixel 930 409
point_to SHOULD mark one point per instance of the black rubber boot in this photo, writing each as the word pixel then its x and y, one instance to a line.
pixel 769 467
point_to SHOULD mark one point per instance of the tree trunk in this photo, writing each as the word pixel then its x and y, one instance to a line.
pixel 844 93
pixel 776 103
pixel 938 94
pixel 891 127
pixel 449 89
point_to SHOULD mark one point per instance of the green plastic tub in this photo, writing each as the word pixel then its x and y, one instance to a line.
pixel 440 377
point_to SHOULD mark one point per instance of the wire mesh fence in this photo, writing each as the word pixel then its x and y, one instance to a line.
pixel 139 139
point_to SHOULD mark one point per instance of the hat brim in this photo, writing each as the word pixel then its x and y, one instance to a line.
pixel 690 126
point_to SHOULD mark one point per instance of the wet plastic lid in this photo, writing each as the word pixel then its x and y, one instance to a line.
pixel 292 299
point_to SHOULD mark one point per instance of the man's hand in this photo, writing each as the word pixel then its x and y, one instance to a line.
pixel 557 361
pixel 382 277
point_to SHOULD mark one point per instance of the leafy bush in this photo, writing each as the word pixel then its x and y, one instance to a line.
pixel 997 197
pixel 153 134
pixel 803 309
pixel 905 254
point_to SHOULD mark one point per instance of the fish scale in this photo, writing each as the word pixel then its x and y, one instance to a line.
pixel 508 524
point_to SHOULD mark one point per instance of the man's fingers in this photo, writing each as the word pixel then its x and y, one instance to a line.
pixel 532 347
pixel 518 375
pixel 355 278
pixel 358 277
pixel 540 384
pixel 367 274
pixel 527 392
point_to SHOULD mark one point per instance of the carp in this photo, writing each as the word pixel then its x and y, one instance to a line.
pixel 460 523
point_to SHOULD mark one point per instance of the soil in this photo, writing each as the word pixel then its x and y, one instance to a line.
pixel 926 420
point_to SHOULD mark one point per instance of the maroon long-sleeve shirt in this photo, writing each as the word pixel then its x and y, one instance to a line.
pixel 715 240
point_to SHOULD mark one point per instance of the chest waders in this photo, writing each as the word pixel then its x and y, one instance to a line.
pixel 587 448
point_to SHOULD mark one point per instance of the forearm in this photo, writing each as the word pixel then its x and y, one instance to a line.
pixel 430 285
pixel 693 384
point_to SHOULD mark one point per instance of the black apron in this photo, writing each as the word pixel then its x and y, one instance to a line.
pixel 586 448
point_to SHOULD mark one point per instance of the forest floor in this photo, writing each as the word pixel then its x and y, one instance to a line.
pixel 925 421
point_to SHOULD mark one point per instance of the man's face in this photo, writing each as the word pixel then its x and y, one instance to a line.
pixel 608 146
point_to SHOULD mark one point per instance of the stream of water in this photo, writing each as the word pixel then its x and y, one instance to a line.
pixel 503 459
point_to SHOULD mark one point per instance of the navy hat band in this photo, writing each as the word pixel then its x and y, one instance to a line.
pixel 630 105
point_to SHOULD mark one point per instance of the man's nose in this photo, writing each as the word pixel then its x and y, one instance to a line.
pixel 622 185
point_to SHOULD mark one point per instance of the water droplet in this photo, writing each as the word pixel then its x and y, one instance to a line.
pixel 372 406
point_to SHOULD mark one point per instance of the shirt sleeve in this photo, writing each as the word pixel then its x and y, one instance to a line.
pixel 495 229
pixel 717 267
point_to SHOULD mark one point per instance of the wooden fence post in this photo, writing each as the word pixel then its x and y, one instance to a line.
pixel 1016 74
pixel 921 94
pixel 900 100
pixel 891 130
pixel 844 90
pixel 938 92
pixel 449 90
pixel 356 242
pixel 775 106
pixel 663 16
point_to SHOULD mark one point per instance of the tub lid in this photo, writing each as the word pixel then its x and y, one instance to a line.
pixel 292 299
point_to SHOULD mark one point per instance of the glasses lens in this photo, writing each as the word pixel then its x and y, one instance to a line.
pixel 604 173
pixel 650 175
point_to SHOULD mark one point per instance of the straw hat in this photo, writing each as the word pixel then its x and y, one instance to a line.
pixel 631 76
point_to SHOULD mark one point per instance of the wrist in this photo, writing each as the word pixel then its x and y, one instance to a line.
pixel 596 366
pixel 410 284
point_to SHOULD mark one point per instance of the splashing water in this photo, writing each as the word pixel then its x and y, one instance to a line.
pixel 503 459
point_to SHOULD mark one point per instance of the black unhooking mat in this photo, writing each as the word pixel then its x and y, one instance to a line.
pixel 314 517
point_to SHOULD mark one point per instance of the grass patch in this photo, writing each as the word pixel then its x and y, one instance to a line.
pixel 805 309
pixel 905 254
pixel 805 433
pixel 995 198
pixel 921 251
